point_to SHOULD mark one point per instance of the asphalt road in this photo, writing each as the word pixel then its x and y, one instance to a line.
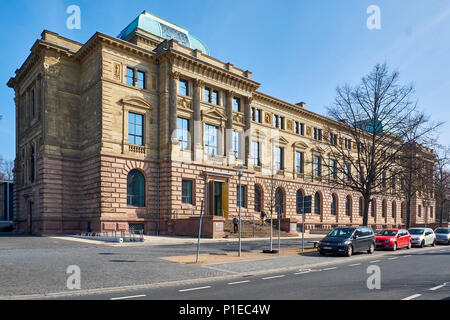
pixel 37 266
pixel 417 274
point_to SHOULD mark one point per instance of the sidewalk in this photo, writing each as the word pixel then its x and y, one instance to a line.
pixel 175 240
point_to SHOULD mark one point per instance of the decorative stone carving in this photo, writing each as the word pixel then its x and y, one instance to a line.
pixel 174 75
pixel 289 125
pixel 198 83
pixel 325 135
pixel 308 131
pixel 185 103
pixel 268 118
pixel 116 71
pixel 238 118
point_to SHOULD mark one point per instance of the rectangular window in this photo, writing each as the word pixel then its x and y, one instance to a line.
pixel 253 115
pixel 33 106
pixel 333 139
pixel 333 169
pixel 236 139
pixel 348 171
pixel 141 80
pixel 297 127
pixel 135 129
pixel 183 133
pixel 318 134
pixel 255 153
pixel 236 104
pixel 207 95
pixel 317 166
pixel 183 87
pixel 259 115
pixel 130 76
pixel 241 196
pixel 278 158
pixel 186 196
pixel 215 97
pixel 299 162
pixel 211 141
pixel 282 123
pixel 275 121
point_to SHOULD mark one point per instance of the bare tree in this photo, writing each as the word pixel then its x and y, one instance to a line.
pixel 416 161
pixel 371 120
pixel 6 169
pixel 442 181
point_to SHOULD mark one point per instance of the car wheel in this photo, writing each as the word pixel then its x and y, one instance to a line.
pixel 422 244
pixel 321 253
pixel 349 251
pixel 371 249
pixel 409 245
pixel 394 247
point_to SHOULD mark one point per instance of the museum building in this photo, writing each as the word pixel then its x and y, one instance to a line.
pixel 146 130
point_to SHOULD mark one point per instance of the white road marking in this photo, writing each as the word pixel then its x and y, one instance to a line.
pixel 438 287
pixel 395 258
pixel 192 289
pixel 303 272
pixel 274 277
pixel 407 256
pixel 355 264
pixel 374 261
pixel 412 297
pixel 238 282
pixel 130 297
pixel 332 268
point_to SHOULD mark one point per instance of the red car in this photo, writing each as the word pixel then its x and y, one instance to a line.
pixel 393 239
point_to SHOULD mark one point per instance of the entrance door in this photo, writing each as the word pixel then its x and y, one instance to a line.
pixel 218 186
pixel 218 195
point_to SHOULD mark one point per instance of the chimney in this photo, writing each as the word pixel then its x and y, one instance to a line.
pixel 301 105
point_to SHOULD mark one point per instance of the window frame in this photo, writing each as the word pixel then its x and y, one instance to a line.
pixel 135 124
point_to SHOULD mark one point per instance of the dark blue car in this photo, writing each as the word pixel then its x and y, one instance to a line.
pixel 346 241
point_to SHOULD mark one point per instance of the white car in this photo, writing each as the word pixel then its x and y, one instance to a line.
pixel 422 237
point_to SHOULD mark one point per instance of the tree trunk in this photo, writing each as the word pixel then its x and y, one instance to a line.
pixel 408 213
pixel 366 211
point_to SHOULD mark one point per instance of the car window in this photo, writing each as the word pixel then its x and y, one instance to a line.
pixel 390 233
pixel 416 231
pixel 442 231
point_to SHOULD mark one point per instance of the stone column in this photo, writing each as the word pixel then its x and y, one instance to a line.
pixel 247 134
pixel 173 95
pixel 197 123
pixel 229 124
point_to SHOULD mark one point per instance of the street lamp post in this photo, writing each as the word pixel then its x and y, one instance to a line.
pixel 239 204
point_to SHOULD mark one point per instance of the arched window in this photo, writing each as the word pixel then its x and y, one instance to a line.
pixel 372 207
pixel 420 210
pixel 333 205
pixel 394 209
pixel 279 200
pixel 348 206
pixel 384 209
pixel 258 199
pixel 299 201
pixel 317 199
pixel 135 189
pixel 361 206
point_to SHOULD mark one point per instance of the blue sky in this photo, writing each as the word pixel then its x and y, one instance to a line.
pixel 298 50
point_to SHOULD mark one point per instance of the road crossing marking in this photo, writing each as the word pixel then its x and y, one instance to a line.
pixel 355 264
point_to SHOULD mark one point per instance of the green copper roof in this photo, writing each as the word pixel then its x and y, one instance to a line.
pixel 162 28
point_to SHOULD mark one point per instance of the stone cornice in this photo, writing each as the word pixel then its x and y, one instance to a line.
pixel 183 60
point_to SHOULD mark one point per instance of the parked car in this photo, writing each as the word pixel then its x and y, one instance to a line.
pixel 393 239
pixel 347 241
pixel 422 237
pixel 442 235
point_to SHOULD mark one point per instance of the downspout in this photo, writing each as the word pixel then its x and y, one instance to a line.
pixel 158 187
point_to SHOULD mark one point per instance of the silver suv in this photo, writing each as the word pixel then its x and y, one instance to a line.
pixel 442 235
pixel 422 237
